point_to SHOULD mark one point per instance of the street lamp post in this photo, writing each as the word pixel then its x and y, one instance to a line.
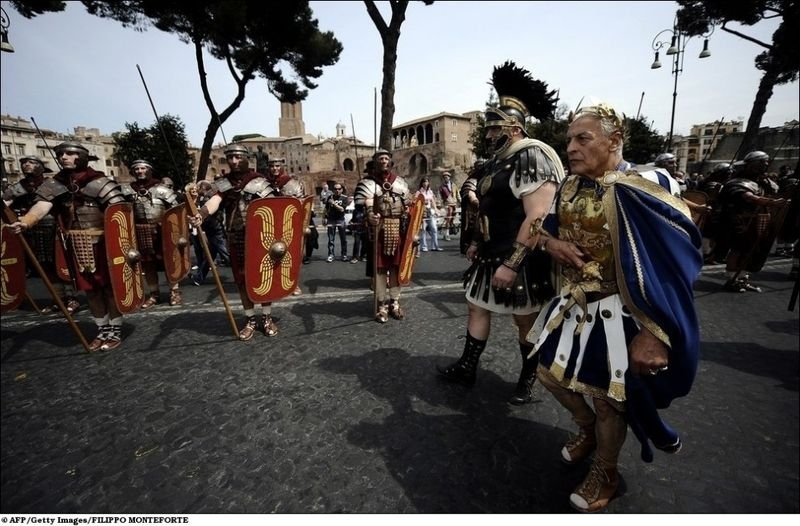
pixel 5 45
pixel 676 49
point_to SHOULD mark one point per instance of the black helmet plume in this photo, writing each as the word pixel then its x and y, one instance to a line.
pixel 520 96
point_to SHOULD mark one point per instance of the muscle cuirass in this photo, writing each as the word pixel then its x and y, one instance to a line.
pixel 500 212
pixel 582 221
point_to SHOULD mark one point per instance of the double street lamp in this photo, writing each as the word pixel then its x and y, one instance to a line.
pixel 677 46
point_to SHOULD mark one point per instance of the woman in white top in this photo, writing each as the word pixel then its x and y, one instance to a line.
pixel 431 213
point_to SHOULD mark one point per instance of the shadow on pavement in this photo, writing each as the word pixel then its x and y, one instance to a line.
pixel 453 449
pixel 752 358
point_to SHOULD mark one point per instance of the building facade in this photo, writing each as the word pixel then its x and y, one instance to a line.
pixel 700 144
pixel 19 137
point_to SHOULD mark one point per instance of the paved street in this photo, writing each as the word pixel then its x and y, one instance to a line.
pixel 341 414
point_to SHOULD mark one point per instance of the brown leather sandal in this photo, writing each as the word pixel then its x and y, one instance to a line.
pixel 151 300
pixel 175 297
pixel 382 316
pixel 249 329
pixel 269 326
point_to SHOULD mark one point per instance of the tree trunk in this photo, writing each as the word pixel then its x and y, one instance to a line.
pixel 205 151
pixel 215 123
pixel 390 35
pixel 765 88
pixel 387 90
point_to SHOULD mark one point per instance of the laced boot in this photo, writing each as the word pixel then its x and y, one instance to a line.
pixel 523 393
pixel 268 325
pixel 596 490
pixel 175 297
pixel 100 340
pixel 579 446
pixel 114 338
pixel 72 304
pixel 464 371
pixel 151 300
pixel 395 311
pixel 249 329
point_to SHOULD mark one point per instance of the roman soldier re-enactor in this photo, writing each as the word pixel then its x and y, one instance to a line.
pixel 278 178
pixel 507 276
pixel 78 195
pixel 746 211
pixel 713 247
pixel 42 238
pixel 233 192
pixel 150 198
pixel 286 186
pixel 386 198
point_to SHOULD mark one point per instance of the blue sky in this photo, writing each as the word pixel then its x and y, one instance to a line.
pixel 72 69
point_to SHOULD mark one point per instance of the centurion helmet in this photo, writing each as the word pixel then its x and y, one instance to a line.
pixel 520 96
pixel 756 155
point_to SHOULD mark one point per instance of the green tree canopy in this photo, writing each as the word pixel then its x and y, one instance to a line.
pixel 254 41
pixel 169 159
pixel 780 60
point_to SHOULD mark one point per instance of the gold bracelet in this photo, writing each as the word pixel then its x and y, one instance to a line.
pixel 514 261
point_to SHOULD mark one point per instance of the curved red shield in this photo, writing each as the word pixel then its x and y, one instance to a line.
pixel 308 209
pixel 12 275
pixel 123 257
pixel 175 243
pixel 411 240
pixel 272 247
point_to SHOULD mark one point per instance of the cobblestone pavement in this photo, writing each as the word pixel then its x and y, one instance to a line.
pixel 341 414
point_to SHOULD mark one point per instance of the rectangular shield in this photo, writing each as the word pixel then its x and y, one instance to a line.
pixel 12 278
pixel 123 257
pixel 175 243
pixel 411 240
pixel 274 233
